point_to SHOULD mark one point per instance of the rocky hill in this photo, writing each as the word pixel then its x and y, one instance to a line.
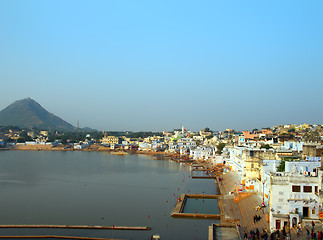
pixel 27 113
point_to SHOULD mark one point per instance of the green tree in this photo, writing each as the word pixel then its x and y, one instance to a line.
pixel 20 140
pixel 267 146
pixel 220 147
pixel 64 141
pixel 98 135
pixel 10 140
pixel 23 134
pixel 291 130
pixel 207 129
pixel 281 166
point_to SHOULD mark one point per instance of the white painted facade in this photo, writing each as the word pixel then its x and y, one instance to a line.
pixel 144 146
pixel 302 167
pixel 172 147
pixel 186 143
pixel 293 196
pixel 236 161
pixel 263 186
pixel 203 153
pixel 294 146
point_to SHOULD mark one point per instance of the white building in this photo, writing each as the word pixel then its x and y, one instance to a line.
pixel 186 143
pixel 236 162
pixel 293 196
pixel 270 166
pixel 203 153
pixel 143 146
pixel 294 146
pixel 302 167
pixel 263 186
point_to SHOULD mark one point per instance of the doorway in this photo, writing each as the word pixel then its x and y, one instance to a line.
pixel 306 212
pixel 277 224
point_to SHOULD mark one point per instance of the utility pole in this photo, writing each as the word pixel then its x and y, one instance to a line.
pixel 263 192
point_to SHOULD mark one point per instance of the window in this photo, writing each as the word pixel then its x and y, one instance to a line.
pixel 313 211
pixel 316 189
pixel 307 189
pixel 280 200
pixel 281 193
pixel 296 188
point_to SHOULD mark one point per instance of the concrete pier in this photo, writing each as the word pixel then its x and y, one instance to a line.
pixel 179 207
pixel 78 227
pixel 55 236
pixel 223 231
pixel 204 177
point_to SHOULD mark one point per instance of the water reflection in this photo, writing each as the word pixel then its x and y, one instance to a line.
pixel 93 188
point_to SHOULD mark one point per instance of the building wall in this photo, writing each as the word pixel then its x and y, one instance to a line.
pixel 295 146
pixel 286 200
pixel 302 166
pixel 309 150
pixel 110 140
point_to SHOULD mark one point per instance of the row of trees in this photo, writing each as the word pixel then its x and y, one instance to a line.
pixel 72 137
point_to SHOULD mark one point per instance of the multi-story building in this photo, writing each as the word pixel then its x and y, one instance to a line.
pixel 293 197
pixel 111 140
pixel 312 150
pixel 203 153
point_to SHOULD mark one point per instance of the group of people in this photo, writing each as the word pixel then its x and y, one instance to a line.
pixel 311 234
pixel 282 234
pixel 256 234
pixel 256 218
pixel 277 234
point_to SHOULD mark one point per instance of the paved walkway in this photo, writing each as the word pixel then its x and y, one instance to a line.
pixel 243 211
pixel 248 210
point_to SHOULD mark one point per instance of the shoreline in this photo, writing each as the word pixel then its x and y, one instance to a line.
pixel 205 165
pixel 158 155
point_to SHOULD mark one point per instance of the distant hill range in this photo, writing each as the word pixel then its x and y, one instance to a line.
pixel 27 113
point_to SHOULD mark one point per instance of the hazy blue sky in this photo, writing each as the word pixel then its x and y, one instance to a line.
pixel 154 65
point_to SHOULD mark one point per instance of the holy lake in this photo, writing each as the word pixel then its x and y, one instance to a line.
pixel 94 188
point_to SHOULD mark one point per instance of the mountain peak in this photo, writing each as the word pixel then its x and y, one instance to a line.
pixel 27 113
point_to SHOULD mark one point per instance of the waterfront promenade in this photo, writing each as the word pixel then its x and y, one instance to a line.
pixel 243 210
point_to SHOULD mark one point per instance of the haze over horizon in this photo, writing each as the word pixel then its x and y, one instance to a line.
pixel 153 66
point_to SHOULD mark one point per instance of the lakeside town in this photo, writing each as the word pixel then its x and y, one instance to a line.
pixel 281 165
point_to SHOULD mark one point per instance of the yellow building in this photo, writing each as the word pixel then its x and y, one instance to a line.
pixel 44 133
pixel 110 140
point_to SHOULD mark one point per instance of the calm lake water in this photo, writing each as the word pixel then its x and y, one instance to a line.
pixel 201 206
pixel 93 188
